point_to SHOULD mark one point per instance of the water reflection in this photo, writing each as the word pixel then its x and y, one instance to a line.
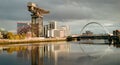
pixel 38 54
pixel 72 53
pixel 47 54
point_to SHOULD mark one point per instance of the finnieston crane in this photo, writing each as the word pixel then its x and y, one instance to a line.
pixel 36 19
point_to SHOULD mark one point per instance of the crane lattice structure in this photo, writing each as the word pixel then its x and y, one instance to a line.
pixel 36 19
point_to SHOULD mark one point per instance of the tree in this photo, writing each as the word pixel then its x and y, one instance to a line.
pixel 10 35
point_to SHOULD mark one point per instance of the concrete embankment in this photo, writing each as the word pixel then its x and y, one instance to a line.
pixel 32 40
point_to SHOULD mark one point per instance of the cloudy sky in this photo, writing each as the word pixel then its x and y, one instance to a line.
pixel 75 13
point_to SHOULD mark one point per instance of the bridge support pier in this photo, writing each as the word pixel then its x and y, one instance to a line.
pixel 116 41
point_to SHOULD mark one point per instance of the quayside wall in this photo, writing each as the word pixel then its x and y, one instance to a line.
pixel 32 40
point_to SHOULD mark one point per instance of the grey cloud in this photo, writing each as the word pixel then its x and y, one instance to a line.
pixel 86 9
pixel 62 9
pixel 13 10
pixel 70 12
pixel 102 9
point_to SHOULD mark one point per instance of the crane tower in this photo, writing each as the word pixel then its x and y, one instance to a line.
pixel 36 19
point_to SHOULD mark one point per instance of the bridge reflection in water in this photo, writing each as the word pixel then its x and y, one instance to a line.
pixel 68 53
pixel 115 40
pixel 107 36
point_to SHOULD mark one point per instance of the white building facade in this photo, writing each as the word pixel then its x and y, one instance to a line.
pixel 53 31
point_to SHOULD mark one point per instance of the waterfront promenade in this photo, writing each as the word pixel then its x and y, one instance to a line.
pixel 31 40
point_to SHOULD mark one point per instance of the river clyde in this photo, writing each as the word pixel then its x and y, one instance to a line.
pixel 60 53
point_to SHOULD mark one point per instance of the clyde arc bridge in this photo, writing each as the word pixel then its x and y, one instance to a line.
pixel 107 36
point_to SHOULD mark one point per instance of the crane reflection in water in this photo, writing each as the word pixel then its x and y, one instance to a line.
pixel 71 53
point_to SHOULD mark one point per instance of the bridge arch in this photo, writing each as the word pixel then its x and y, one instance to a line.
pixel 97 24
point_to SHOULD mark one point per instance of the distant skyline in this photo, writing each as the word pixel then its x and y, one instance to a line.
pixel 75 13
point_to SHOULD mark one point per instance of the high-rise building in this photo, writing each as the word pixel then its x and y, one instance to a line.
pixel 53 31
pixel 23 28
pixel 45 32
pixel 48 29
pixel 59 33
pixel 56 33
pixel 66 30
pixel 53 25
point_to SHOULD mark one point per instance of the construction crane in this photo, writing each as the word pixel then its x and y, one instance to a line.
pixel 36 19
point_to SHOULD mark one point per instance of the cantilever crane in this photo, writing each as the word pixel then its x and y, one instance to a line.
pixel 36 19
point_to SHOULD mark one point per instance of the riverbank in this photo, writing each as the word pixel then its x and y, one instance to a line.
pixel 31 40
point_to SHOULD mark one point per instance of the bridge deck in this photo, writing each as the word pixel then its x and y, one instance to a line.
pixel 96 37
